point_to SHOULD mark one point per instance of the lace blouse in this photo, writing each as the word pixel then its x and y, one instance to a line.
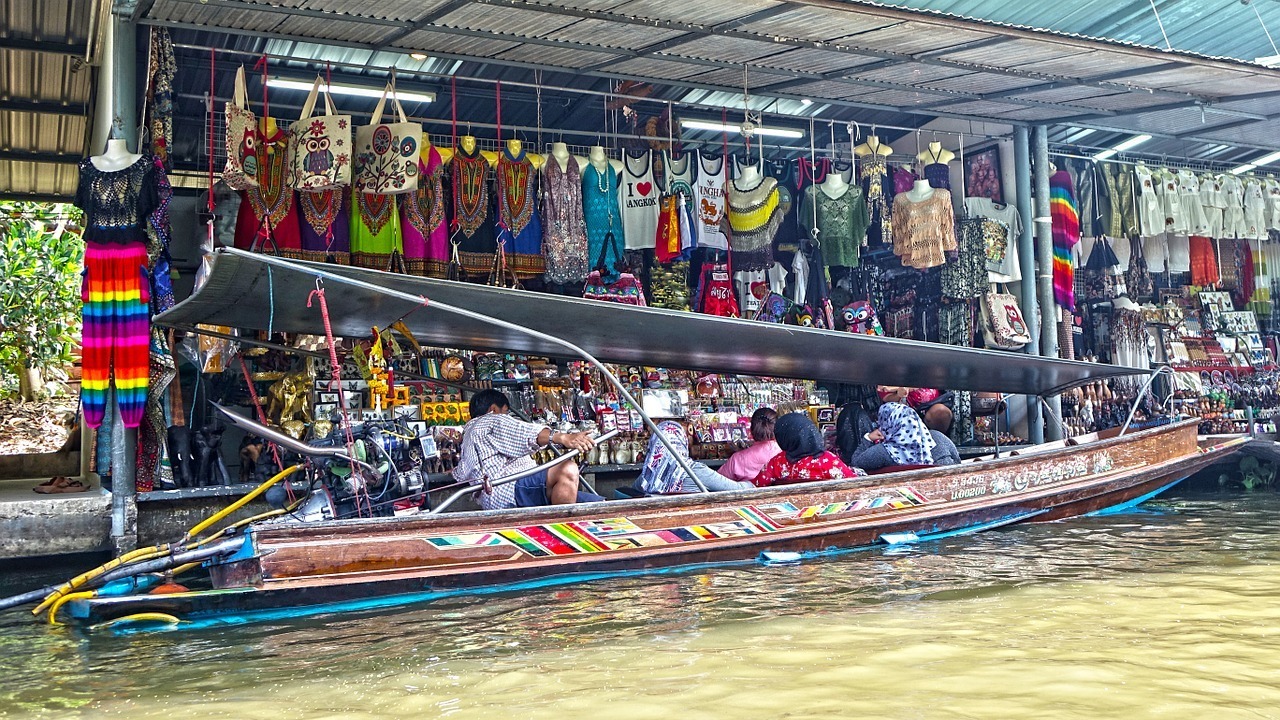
pixel 116 203
pixel 924 230
pixel 841 223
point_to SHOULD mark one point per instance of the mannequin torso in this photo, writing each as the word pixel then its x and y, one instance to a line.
pixel 936 154
pixel 598 157
pixel 920 192
pixel 749 178
pixel 116 157
pixel 872 146
pixel 560 153
pixel 834 185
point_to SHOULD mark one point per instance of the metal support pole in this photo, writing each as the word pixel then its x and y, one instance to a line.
pixel 1027 266
pixel 1044 262
pixel 124 124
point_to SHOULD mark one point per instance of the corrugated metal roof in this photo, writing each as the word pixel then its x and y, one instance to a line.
pixel 1222 29
pixel 45 95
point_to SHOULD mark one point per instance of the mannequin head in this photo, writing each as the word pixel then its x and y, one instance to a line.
pixel 749 177
pixel 834 181
pixel 467 143
pixel 935 146
pixel 514 146
pixel 560 150
pixel 596 154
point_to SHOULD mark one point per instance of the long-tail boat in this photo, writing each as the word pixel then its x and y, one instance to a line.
pixel 281 567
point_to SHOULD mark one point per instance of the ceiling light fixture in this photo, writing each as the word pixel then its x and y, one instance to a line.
pixel 735 129
pixel 353 90
pixel 418 56
pixel 1129 144
pixel 806 102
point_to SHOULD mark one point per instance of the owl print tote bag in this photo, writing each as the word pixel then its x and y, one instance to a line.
pixel 241 171
pixel 321 146
pixel 387 153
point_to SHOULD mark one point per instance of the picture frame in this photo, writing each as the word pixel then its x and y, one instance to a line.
pixel 982 175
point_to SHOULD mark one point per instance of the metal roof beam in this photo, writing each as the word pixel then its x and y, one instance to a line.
pixel 686 37
pixel 39 157
pixel 422 22
pixel 42 108
pixel 42 46
pixel 1134 72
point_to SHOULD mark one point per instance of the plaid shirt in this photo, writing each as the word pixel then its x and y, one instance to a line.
pixel 494 446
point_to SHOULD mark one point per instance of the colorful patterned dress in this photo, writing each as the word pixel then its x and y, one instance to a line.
pixel 564 230
pixel 422 219
pixel 326 225
pixel 471 228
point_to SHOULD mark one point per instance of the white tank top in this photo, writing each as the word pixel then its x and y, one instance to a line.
pixel 710 198
pixel 639 201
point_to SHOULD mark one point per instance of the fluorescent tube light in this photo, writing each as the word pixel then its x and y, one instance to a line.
pixel 1264 160
pixel 1243 168
pixel 353 90
pixel 1129 144
pixel 735 129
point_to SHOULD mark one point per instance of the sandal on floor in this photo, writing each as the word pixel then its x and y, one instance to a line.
pixel 60 485
pixel 73 486
pixel 53 481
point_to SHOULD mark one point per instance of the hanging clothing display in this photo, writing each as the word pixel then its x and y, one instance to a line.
pixel 518 223
pixel 752 219
pixel 471 227
pixel 116 288
pixel 1192 208
pixel 1204 261
pixel 809 172
pixel 742 163
pixel 1121 219
pixel 326 225
pixel 422 218
pixel 162 67
pixel 1213 200
pixel 159 234
pixel 639 201
pixel 603 218
pixel 753 286
pixel 937 173
pixel 564 230
pixel 710 202
pixel 1002 257
pixel 1151 219
pixel 966 278
pixel 268 214
pixel 1090 193
pixel 787 240
pixel 878 190
pixel 1233 224
pixel 1066 234
pixel 923 229
pixel 375 230
pixel 841 222
pixel 680 176
pixel 1271 187
pixel 1175 217
pixel 1255 206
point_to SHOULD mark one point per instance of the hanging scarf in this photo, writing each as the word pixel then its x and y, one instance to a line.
pixel 1066 233
pixel 906 438
pixel 662 472
pixel 798 437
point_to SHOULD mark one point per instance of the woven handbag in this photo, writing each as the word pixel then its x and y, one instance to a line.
pixel 320 146
pixel 241 170
pixel 387 153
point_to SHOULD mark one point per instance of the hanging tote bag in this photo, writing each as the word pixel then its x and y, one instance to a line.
pixel 320 146
pixel 626 290
pixel 1002 325
pixel 241 170
pixel 387 153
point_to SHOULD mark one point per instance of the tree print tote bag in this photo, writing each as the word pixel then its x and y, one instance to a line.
pixel 387 153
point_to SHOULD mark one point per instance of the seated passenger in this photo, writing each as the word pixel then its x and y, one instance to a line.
pixel 745 464
pixel 495 444
pixel 935 407
pixel 804 458
pixel 903 439
pixel 662 473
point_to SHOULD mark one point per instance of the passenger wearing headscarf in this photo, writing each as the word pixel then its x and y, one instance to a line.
pixel 662 473
pixel 903 439
pixel 804 457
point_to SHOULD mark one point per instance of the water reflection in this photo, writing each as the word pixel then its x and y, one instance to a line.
pixel 1148 614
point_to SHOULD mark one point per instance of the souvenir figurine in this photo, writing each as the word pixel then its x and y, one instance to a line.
pixel 860 318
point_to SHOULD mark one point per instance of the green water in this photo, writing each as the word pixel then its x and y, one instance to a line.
pixel 1172 612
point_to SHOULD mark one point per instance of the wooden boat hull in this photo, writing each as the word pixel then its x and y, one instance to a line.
pixel 293 569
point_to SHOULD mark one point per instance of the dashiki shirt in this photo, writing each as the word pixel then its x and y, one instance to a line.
pixel 422 218
pixel 326 225
pixel 518 224
pixel 375 230
pixel 268 213
pixel 471 228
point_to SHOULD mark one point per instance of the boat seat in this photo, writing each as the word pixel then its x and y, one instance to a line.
pixel 897 468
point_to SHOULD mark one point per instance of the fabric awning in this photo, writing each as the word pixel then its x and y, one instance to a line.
pixel 254 292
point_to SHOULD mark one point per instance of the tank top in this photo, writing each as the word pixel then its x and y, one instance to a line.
pixel 639 201
pixel 681 177
pixel 709 197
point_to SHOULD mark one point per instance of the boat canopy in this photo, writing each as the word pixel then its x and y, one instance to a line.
pixel 256 292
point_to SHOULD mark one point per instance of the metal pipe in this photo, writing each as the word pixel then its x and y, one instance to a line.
pixel 617 384
pixel 559 460
pixel 1027 267
pixel 124 124
pixel 319 65
pixel 1044 260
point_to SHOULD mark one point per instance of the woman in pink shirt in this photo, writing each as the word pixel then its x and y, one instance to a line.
pixel 746 464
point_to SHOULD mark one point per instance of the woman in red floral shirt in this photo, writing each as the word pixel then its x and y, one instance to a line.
pixel 803 458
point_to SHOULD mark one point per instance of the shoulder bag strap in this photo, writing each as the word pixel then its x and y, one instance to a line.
pixel 240 97
pixel 310 104
pixel 376 118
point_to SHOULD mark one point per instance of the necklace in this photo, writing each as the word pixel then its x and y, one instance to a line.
pixel 602 182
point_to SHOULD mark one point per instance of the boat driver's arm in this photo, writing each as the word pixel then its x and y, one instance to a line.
pixel 581 442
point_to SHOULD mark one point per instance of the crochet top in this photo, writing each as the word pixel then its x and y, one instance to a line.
pixel 924 230
pixel 751 222
pixel 116 203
